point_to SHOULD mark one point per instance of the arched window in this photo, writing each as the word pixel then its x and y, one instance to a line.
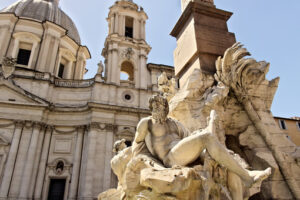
pixel 127 71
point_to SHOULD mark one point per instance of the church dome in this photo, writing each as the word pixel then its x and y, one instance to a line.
pixel 44 10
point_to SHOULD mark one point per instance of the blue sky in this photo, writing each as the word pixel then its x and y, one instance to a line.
pixel 270 30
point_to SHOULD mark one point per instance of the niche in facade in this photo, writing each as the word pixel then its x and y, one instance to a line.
pixel 129 27
pixel 127 71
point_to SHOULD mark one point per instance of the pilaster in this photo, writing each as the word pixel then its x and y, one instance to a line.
pixel 88 164
pixel 28 170
pixel 21 160
pixel 37 159
pixel 44 52
pixel 42 164
pixel 115 70
pixel 4 40
pixel 76 164
pixel 9 167
pixel 143 76
pixel 53 54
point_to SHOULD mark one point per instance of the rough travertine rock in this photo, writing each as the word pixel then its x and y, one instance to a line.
pixel 242 97
pixel 187 158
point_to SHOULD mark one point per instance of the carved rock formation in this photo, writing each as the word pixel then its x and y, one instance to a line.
pixel 241 97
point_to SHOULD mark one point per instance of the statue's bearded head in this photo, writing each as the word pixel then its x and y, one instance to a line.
pixel 159 107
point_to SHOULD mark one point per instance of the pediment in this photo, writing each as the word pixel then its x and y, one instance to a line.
pixel 9 92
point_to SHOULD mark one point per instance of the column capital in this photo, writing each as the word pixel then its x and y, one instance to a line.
pixel 19 123
pixel 49 127
pixel 93 125
pixel 81 128
pixel 37 124
pixel 102 126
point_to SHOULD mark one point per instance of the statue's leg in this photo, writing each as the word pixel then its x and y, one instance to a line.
pixel 185 152
pixel 220 154
pixel 189 149
pixel 235 186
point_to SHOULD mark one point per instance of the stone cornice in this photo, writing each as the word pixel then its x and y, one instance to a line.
pixel 198 8
pixel 8 125
pixel 16 104
pixel 102 126
pixel 134 43
pixel 160 67
pixel 74 83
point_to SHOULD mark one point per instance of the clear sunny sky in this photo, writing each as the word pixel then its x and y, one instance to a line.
pixel 270 30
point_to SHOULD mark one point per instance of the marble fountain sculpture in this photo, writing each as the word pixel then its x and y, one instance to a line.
pixel 182 151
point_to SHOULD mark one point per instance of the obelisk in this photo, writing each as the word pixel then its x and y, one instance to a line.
pixel 202 35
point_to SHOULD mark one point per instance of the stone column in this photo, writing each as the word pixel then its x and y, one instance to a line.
pixel 44 52
pixel 56 68
pixel 9 167
pixel 79 67
pixel 37 161
pixel 68 70
pixel 30 161
pixel 136 29
pixel 32 54
pixel 108 157
pixel 14 52
pixel 42 164
pixel 112 25
pixel 122 25
pixel 4 31
pixel 76 164
pixel 88 159
pixel 21 160
pixel 143 34
pixel 109 67
pixel 54 53
pixel 154 80
pixel 143 72
pixel 116 25
pixel 115 72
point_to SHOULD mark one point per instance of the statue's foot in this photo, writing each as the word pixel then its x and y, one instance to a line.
pixel 258 176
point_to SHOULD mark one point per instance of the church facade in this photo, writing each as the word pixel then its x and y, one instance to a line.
pixel 57 129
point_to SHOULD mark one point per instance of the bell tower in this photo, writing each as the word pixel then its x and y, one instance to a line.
pixel 126 50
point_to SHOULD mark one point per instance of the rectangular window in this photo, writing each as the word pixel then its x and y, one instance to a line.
pixel 298 125
pixel 57 189
pixel 23 57
pixel 282 124
pixel 129 27
pixel 61 71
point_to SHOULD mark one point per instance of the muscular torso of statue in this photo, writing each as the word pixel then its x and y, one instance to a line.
pixel 163 137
